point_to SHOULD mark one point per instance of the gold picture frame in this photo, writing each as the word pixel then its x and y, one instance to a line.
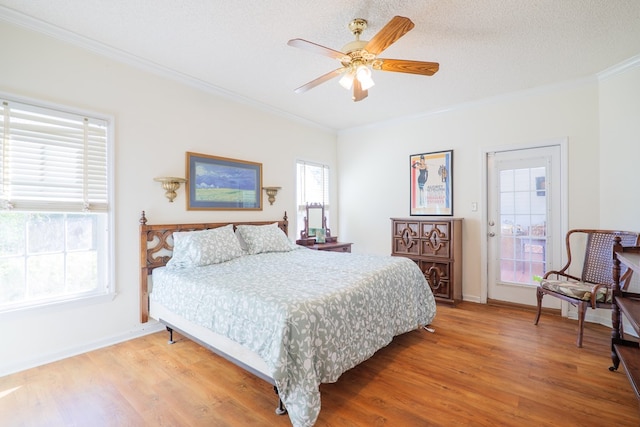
pixel 220 183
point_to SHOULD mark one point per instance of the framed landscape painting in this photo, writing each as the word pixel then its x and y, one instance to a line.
pixel 431 184
pixel 219 183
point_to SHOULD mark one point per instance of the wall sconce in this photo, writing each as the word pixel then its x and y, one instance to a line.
pixel 271 192
pixel 170 184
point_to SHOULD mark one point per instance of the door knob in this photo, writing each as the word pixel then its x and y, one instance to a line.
pixel 492 234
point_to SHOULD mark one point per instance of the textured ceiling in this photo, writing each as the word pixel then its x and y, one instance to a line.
pixel 239 48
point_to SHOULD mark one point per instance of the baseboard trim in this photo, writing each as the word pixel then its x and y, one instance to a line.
pixel 144 329
pixel 472 299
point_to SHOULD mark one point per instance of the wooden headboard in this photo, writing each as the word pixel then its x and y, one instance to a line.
pixel 156 246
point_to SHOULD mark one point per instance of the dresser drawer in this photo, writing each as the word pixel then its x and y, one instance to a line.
pixel 435 271
pixel 339 248
pixel 435 230
pixel 441 289
pixel 406 238
pixel 438 276
pixel 435 239
pixel 406 247
pixel 410 228
pixel 439 249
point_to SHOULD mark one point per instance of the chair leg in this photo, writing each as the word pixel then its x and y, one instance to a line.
pixel 582 311
pixel 539 295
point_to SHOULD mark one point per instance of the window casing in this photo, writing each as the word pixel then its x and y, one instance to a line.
pixel 54 206
pixel 313 187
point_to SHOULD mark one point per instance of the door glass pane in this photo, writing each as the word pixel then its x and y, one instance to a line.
pixel 523 236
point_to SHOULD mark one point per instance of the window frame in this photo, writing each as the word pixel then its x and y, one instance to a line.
pixel 107 260
pixel 301 201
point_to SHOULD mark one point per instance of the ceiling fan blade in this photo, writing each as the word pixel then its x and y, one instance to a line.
pixel 358 93
pixel 396 28
pixel 320 80
pixel 406 66
pixel 316 48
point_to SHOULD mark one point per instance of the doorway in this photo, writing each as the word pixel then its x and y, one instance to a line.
pixel 524 221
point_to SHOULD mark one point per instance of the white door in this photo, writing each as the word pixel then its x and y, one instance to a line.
pixel 524 222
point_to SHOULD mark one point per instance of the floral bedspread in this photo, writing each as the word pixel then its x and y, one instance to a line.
pixel 311 315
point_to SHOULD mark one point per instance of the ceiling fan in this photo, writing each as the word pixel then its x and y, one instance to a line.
pixel 359 57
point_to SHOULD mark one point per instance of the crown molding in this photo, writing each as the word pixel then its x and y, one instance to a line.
pixel 620 68
pixel 24 21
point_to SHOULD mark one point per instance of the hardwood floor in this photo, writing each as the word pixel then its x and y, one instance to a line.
pixel 484 366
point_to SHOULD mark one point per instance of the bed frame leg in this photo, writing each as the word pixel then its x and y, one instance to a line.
pixel 171 341
pixel 280 410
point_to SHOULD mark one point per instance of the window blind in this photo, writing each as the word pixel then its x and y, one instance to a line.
pixel 313 184
pixel 52 160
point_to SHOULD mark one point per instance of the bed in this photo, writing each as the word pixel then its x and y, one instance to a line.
pixel 295 317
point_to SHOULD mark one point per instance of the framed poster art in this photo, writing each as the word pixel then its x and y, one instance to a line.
pixel 431 185
pixel 219 183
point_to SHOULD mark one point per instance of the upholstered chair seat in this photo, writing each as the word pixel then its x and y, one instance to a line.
pixel 587 277
pixel 578 290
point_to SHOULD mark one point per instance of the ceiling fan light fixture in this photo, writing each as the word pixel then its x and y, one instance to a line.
pixel 363 74
pixel 346 81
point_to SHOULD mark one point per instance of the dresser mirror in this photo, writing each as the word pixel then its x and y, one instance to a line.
pixel 314 220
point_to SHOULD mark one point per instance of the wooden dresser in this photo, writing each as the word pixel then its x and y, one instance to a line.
pixel 435 244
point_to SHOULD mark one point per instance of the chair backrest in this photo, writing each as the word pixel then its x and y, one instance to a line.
pixel 598 257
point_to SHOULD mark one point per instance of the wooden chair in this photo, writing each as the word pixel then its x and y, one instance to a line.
pixel 592 288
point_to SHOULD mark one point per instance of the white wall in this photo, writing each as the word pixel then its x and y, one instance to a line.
pixel 374 162
pixel 156 121
pixel 620 152
pixel 620 148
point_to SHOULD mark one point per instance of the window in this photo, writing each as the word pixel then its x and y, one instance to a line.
pixel 54 207
pixel 313 187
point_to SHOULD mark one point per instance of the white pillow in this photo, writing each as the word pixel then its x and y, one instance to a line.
pixel 243 245
pixel 204 247
pixel 264 238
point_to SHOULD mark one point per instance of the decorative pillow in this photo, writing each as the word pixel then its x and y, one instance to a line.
pixel 264 238
pixel 204 247
pixel 243 244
